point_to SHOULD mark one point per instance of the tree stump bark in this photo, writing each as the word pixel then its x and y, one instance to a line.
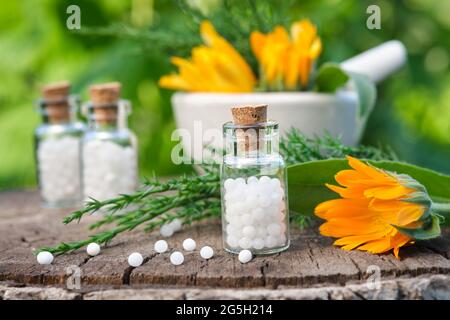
pixel 311 269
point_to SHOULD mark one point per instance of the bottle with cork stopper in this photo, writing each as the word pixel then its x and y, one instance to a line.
pixel 253 184
pixel 109 148
pixel 58 147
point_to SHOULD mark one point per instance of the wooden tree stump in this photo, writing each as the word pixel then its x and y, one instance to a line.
pixel 311 269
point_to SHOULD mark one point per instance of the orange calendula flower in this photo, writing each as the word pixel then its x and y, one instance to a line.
pixel 287 60
pixel 213 67
pixel 379 210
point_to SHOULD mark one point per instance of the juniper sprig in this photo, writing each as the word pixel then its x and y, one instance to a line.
pixel 196 197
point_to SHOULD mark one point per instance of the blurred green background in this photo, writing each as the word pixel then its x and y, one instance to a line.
pixel 412 114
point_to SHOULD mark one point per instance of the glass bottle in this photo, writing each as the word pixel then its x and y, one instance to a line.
pixel 254 189
pixel 57 148
pixel 109 147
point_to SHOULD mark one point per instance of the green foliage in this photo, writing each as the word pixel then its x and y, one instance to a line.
pixel 193 198
pixel 413 107
pixel 367 94
pixel 188 198
pixel 330 77
pixel 297 148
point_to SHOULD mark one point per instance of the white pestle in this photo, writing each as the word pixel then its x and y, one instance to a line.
pixel 379 62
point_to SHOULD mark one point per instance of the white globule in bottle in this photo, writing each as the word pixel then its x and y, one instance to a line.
pixel 109 154
pixel 58 148
pixel 254 213
pixel 105 178
pixel 254 185
pixel 59 169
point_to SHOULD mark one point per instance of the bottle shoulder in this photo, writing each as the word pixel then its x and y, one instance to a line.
pixel 273 160
pixel 59 130
pixel 122 137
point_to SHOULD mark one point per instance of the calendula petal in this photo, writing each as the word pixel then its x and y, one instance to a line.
pixel 399 240
pixel 350 193
pixel 409 215
pixel 316 49
pixel 380 245
pixel 214 40
pixel 291 74
pixel 214 67
pixel 304 69
pixel 174 81
pixel 343 208
pixel 303 32
pixel 257 43
pixel 346 227
pixel 387 192
pixel 351 242
pixel 366 169
pixel 287 58
pixel 208 33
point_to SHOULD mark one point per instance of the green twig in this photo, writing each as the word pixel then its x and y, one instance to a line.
pixel 194 198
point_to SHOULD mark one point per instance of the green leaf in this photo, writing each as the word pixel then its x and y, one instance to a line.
pixel 306 181
pixel 367 94
pixel 330 77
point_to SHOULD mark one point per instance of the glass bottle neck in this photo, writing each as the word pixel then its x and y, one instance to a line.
pixel 251 141
pixel 110 126
pixel 57 112
pixel 110 117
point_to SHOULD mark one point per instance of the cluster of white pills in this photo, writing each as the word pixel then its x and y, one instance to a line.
pixel 59 169
pixel 109 169
pixel 255 213
pixel 136 259
pixel 177 257
pixel 45 257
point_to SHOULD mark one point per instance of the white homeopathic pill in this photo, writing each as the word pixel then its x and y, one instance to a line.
pixel 135 259
pixel 166 230
pixel 176 224
pixel 206 252
pixel 245 256
pixel 176 258
pixel 93 249
pixel 229 184
pixel 189 244
pixel 44 257
pixel 161 246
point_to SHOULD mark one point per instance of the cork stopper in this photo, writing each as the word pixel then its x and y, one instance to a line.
pixel 249 139
pixel 105 98
pixel 248 115
pixel 56 101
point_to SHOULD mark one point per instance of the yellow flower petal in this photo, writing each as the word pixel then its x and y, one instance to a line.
pixel 174 81
pixel 316 49
pixel 287 58
pixel 213 67
pixel 215 41
pixel 257 43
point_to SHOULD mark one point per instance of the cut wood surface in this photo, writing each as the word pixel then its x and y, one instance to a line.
pixel 310 262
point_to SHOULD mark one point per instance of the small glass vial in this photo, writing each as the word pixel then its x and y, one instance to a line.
pixel 109 147
pixel 253 184
pixel 57 148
